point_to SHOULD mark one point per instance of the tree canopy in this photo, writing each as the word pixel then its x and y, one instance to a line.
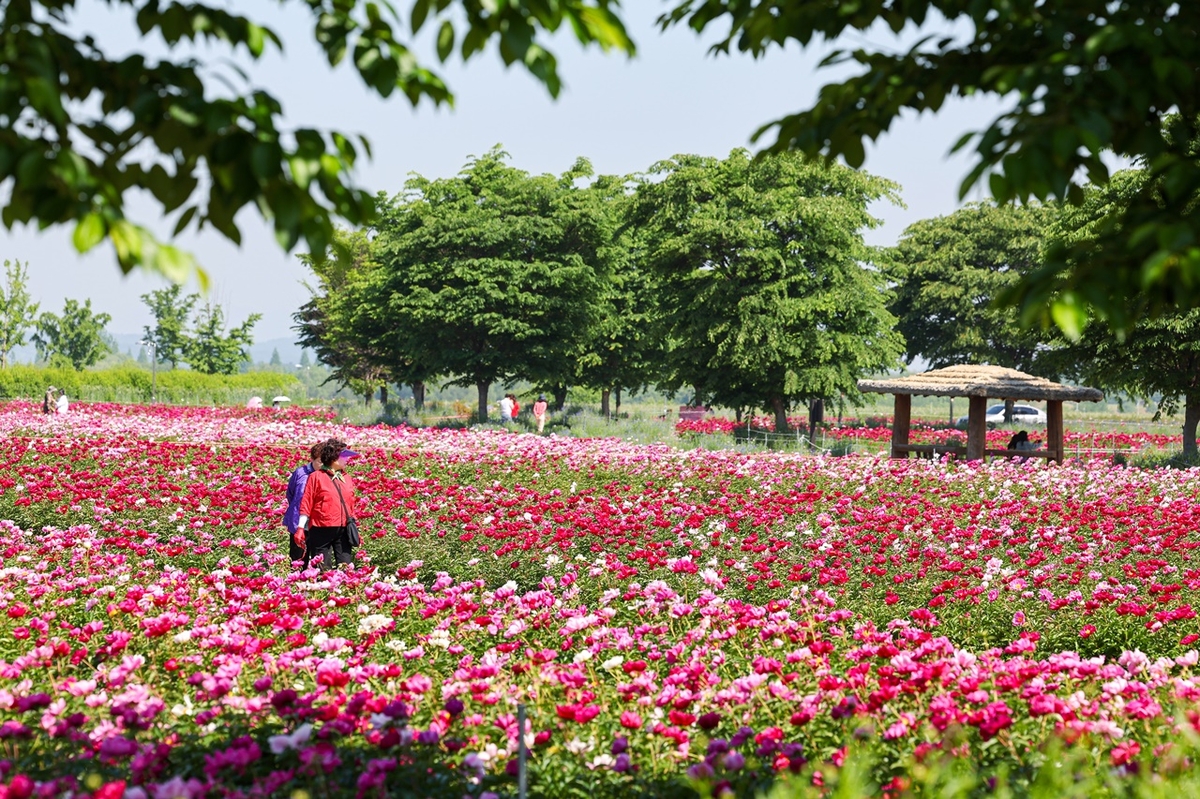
pixel 1082 80
pixel 948 273
pixel 75 338
pixel 765 298
pixel 213 349
pixel 326 322
pixel 492 275
pixel 171 311
pixel 1157 358
pixel 81 129
pixel 18 311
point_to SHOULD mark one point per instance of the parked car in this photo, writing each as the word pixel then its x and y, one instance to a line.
pixel 1022 414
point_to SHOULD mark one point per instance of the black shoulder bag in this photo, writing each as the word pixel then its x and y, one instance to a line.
pixel 351 525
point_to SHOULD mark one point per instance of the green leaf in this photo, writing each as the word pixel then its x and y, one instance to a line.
pixel 173 263
pixel 852 151
pixel 445 40
pixel 128 241
pixel 999 186
pixel 89 232
pixel 185 219
pixel 1069 316
pixel 419 13
pixel 255 39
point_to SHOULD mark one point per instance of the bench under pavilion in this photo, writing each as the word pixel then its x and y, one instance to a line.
pixel 978 384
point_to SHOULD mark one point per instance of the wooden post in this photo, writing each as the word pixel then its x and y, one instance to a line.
pixel 900 424
pixel 976 428
pixel 1054 429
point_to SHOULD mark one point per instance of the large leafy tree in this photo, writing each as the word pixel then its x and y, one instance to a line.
pixel 948 273
pixel 80 129
pixel 76 337
pixel 325 323
pixel 623 350
pixel 1081 79
pixel 18 311
pixel 215 349
pixel 764 292
pixel 492 275
pixel 1157 358
pixel 172 312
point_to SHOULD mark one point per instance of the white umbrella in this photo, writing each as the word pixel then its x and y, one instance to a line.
pixel 281 398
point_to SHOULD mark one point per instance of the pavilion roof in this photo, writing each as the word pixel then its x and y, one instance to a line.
pixel 993 382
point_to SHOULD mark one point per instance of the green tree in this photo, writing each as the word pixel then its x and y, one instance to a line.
pixel 493 275
pixel 212 349
pixel 1080 80
pixel 1158 358
pixel 625 351
pixel 79 128
pixel 304 359
pixel 275 359
pixel 18 311
pixel 764 297
pixel 171 311
pixel 948 273
pixel 326 322
pixel 76 337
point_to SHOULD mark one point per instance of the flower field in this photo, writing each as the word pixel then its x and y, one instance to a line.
pixel 878 431
pixel 672 621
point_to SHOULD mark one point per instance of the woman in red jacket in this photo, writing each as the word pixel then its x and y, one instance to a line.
pixel 327 506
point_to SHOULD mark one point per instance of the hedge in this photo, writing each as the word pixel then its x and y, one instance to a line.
pixel 130 384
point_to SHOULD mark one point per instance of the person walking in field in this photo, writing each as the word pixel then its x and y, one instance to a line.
pixel 295 492
pixel 506 406
pixel 327 508
pixel 539 412
pixel 516 407
pixel 49 405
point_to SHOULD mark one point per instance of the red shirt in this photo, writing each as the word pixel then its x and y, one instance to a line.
pixel 321 504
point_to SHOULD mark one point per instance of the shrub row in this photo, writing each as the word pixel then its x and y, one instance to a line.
pixel 130 384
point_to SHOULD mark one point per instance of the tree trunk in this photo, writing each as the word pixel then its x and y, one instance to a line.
pixel 1191 416
pixel 482 388
pixel 816 416
pixel 418 390
pixel 604 394
pixel 737 415
pixel 1008 411
pixel 368 396
pixel 560 397
pixel 617 400
pixel 383 394
pixel 780 409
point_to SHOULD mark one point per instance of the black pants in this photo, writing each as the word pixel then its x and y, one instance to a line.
pixel 332 542
pixel 294 552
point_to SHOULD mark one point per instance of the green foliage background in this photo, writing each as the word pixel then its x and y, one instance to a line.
pixel 127 383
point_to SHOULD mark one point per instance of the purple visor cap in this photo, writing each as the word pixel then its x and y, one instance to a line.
pixel 347 454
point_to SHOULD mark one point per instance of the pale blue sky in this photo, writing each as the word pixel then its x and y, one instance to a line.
pixel 623 115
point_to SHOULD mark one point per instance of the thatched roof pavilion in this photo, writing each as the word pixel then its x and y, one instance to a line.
pixel 979 384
